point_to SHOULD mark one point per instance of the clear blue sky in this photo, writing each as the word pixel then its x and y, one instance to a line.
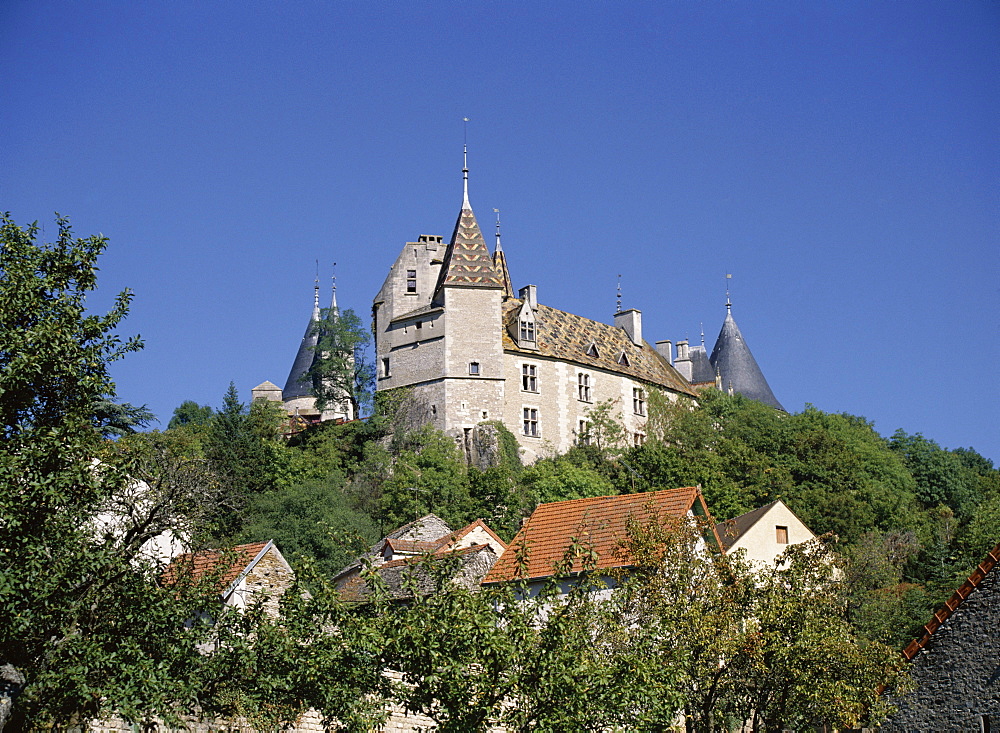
pixel 841 160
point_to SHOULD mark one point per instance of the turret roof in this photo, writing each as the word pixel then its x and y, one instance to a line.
pixel 467 262
pixel 734 362
pixel 297 385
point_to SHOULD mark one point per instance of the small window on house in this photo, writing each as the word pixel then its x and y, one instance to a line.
pixel 530 422
pixel 434 409
pixel 419 325
pixel 592 351
pixel 528 330
pixel 411 281
pixel 486 414
pixel 781 535
pixel 623 360
pixel 529 378
pixel 583 387
pixel 385 366
pixel 639 400
pixel 583 433
pixel 473 367
pixel 638 439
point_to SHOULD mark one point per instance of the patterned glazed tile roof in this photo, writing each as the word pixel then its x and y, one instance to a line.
pixel 567 337
pixel 600 524
pixel 952 604
pixel 467 261
pixel 227 564
pixel 500 265
pixel 732 357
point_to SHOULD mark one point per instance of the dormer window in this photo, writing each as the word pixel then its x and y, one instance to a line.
pixel 623 360
pixel 528 331
pixel 592 351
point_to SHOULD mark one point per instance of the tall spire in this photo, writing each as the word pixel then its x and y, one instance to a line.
pixel 298 383
pixel 500 263
pixel 467 261
pixel 465 163
pixel 333 295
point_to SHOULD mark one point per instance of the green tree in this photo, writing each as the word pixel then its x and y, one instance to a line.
pixel 342 370
pixel 190 412
pixel 245 448
pixel 85 629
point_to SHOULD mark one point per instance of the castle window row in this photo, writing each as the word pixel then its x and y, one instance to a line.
pixel 531 422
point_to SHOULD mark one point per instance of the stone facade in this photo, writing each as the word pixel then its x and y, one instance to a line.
pixel 448 328
pixel 955 666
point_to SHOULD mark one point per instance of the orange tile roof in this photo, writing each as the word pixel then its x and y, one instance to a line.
pixel 952 604
pixel 599 523
pixel 205 562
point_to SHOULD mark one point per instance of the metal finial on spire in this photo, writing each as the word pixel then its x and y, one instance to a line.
pixel 729 305
pixel 618 309
pixel 316 289
pixel 465 162
pixel 333 297
pixel 702 333
pixel 499 248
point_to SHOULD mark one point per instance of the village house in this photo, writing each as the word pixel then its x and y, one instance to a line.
pixel 764 533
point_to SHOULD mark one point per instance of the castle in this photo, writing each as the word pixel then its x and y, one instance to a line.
pixel 450 329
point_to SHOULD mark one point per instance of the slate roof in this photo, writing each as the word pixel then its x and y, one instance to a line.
pixel 204 562
pixel 702 371
pixel 295 385
pixel 467 261
pixel 564 336
pixel 731 530
pixel 600 523
pixel 732 357
pixel 952 604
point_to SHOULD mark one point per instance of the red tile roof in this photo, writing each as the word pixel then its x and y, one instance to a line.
pixel 205 562
pixel 599 523
pixel 952 604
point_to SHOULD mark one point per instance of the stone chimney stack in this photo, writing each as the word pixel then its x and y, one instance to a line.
pixel 530 294
pixel 666 350
pixel 683 362
pixel 631 322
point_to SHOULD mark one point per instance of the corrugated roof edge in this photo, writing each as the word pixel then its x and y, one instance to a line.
pixel 952 604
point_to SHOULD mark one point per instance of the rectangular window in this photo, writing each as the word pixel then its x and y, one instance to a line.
pixel 411 281
pixel 781 535
pixel 529 378
pixel 385 366
pixel 583 433
pixel 531 422
pixel 638 439
pixel 583 387
pixel 528 331
pixel 419 324
pixel 473 367
pixel 639 400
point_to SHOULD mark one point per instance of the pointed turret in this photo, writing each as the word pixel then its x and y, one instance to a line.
pixel 736 367
pixel 500 264
pixel 297 386
pixel 467 262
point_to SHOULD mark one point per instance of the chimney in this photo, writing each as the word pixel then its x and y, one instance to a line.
pixel 682 350
pixel 631 321
pixel 683 362
pixel 529 293
pixel 666 350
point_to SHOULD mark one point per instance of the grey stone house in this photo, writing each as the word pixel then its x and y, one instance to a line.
pixel 956 664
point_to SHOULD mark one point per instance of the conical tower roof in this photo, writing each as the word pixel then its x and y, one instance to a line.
pixel 467 261
pixel 297 385
pixel 732 359
pixel 500 264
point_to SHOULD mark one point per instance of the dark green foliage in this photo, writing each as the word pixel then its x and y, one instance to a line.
pixel 312 520
pixel 190 412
